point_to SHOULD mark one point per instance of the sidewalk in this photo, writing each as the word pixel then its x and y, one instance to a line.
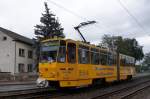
pixel 4 83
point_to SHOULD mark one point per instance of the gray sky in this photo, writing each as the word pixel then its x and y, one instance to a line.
pixel 22 15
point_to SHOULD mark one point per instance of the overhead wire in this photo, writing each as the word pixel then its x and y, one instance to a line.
pixel 67 10
pixel 75 14
pixel 132 16
pixel 97 26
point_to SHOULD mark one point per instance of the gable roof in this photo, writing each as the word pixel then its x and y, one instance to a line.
pixel 16 36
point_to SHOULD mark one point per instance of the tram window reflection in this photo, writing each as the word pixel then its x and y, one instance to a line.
pixel 103 58
pixel 94 56
pixel 83 55
pixel 62 52
pixel 71 53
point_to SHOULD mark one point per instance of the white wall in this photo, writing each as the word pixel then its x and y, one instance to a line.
pixel 7 54
pixel 8 60
pixel 25 60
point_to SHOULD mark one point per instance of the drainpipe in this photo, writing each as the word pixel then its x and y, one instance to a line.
pixel 15 62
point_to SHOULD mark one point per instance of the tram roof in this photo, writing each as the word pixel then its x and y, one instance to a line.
pixel 123 55
pixel 79 42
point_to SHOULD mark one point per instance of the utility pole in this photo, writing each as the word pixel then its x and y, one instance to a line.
pixel 118 64
pixel 118 57
pixel 81 25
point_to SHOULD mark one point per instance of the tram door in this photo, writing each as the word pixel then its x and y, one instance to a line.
pixel 68 72
pixel 71 59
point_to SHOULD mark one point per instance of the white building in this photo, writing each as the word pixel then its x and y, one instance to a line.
pixel 16 53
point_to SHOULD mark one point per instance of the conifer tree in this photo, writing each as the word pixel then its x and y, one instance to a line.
pixel 49 26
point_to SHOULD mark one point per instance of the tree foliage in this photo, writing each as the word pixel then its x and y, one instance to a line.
pixel 125 46
pixel 147 59
pixel 49 26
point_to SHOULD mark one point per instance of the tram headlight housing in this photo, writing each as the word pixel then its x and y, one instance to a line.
pixel 41 82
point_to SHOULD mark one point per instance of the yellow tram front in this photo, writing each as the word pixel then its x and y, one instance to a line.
pixel 54 69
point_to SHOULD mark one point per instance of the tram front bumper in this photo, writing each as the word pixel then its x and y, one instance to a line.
pixel 41 82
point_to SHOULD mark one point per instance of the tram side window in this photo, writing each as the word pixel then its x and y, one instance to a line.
pixel 123 61
pixel 94 56
pixel 110 59
pixel 132 62
pixel 129 61
pixel 114 59
pixel 83 55
pixel 71 53
pixel 103 58
pixel 62 52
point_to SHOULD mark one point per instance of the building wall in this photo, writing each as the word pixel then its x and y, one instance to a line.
pixel 23 60
pixel 7 53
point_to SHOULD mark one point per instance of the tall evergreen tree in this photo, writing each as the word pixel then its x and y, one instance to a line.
pixel 50 26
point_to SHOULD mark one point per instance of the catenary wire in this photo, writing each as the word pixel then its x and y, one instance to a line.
pixel 132 16
pixel 77 15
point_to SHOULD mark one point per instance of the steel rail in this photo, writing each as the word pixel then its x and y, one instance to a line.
pixel 25 92
pixel 133 93
pixel 52 93
pixel 103 96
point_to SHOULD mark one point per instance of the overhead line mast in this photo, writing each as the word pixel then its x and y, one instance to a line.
pixel 81 25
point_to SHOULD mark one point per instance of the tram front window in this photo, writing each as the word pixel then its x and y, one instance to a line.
pixel 53 51
pixel 49 53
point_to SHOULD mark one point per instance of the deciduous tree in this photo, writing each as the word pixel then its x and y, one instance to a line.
pixel 125 46
pixel 147 59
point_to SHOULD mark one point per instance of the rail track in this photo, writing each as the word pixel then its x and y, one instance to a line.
pixel 110 92
pixel 26 94
pixel 129 89
pixel 38 93
pixel 136 92
pixel 125 93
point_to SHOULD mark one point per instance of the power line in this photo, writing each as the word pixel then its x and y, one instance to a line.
pixel 131 15
pixel 73 13
pixel 85 19
pixel 69 11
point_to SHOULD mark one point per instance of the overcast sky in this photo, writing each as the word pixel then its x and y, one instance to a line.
pixel 21 16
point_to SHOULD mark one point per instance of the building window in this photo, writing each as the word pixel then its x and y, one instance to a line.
pixel 30 54
pixel 21 52
pixel 30 68
pixel 21 68
pixel 4 38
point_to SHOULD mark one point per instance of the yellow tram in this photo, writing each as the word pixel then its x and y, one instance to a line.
pixel 69 63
